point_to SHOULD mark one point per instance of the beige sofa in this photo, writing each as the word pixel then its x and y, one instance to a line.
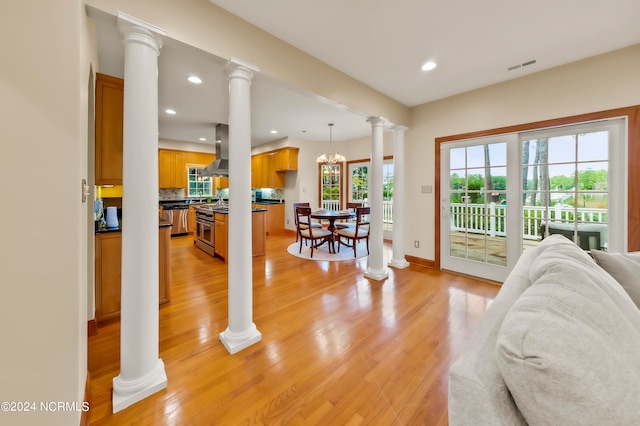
pixel 560 344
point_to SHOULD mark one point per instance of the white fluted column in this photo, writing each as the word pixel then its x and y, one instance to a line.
pixel 241 331
pixel 398 260
pixel 376 269
pixel 141 370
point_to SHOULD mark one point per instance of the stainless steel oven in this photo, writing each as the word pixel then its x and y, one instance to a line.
pixel 205 230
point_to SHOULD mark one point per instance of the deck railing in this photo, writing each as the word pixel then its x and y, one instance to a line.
pixel 387 209
pixel 490 219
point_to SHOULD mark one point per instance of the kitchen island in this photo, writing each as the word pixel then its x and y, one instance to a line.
pixel 275 215
pixel 212 230
pixel 108 265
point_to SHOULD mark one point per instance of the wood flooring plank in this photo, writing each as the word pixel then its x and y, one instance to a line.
pixel 337 348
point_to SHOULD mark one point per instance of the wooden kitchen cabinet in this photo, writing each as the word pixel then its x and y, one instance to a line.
pixel 202 158
pixel 164 260
pixel 273 178
pixel 191 220
pixel 287 159
pixel 258 232
pixel 221 235
pixel 109 106
pixel 268 168
pixel 171 169
pixel 219 182
pixel 108 276
pixel 108 253
pixel 256 171
pixel 275 218
pixel 263 171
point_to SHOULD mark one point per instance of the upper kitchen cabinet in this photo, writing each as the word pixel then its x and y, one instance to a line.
pixel 171 169
pixel 287 159
pixel 109 113
pixel 256 171
pixel 202 158
pixel 219 182
pixel 271 177
pixel 267 168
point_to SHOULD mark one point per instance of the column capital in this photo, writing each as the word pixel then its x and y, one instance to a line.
pixel 235 68
pixel 398 128
pixel 377 121
pixel 134 30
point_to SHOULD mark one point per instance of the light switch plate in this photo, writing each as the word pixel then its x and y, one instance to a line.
pixel 85 190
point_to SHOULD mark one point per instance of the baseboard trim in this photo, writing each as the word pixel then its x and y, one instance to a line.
pixel 84 417
pixel 418 261
pixel 92 327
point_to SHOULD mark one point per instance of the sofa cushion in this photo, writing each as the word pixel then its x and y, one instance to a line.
pixel 569 347
pixel 625 268
pixel 478 394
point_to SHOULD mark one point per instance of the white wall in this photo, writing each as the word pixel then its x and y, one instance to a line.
pixel 596 84
pixel 44 81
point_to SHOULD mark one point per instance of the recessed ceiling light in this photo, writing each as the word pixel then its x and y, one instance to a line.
pixel 170 111
pixel 194 79
pixel 428 66
pixel 273 132
pixel 203 139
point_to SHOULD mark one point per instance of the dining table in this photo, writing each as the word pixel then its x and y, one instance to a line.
pixel 332 216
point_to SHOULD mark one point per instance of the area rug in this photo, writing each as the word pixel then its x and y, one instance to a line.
pixel 322 253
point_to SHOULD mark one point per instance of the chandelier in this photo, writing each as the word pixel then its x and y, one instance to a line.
pixel 332 158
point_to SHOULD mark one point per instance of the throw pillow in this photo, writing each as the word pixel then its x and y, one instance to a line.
pixel 625 268
pixel 568 347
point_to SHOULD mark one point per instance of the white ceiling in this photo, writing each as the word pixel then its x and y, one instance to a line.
pixel 382 43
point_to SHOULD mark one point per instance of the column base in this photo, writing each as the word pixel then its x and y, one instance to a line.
pixel 377 274
pixel 128 393
pixel 235 342
pixel 399 263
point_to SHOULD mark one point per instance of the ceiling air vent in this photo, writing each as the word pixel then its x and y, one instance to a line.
pixel 524 64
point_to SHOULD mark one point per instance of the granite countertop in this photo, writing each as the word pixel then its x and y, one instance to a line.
pixel 263 201
pixel 162 224
pixel 223 210
pixel 199 202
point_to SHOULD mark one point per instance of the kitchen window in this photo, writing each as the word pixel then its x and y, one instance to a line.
pixel 199 186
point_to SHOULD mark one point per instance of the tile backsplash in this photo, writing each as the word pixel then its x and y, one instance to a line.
pixel 178 193
pixel 272 193
pixel 171 194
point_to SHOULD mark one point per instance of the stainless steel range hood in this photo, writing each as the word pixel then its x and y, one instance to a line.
pixel 220 166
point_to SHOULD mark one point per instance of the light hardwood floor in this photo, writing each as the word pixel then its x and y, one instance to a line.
pixel 336 348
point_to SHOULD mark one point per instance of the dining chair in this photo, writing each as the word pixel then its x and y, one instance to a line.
pixel 356 233
pixel 349 222
pixel 317 236
pixel 303 225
